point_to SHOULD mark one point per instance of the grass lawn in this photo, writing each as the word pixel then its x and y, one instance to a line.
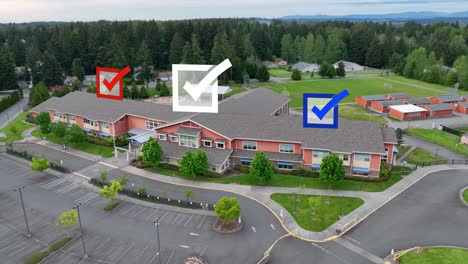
pixel 285 180
pixel 465 195
pixel 463 129
pixel 355 86
pixel 312 212
pixel 420 156
pixel 441 138
pixel 402 150
pixel 20 126
pixel 354 111
pixel 282 73
pixel 436 256
pixel 105 152
pixel 234 90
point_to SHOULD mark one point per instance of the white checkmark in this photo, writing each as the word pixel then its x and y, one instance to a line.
pixel 196 91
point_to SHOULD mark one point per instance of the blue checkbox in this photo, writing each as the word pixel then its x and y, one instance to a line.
pixel 321 110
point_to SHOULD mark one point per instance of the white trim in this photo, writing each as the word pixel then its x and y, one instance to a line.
pixel 224 145
pixel 279 148
pixel 185 120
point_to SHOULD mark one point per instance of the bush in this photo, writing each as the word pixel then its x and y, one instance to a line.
pixel 305 173
pixel 142 191
pixel 243 168
pixel 121 141
pixel 58 245
pixel 30 118
pixel 111 206
pixel 140 158
pixel 169 166
pixel 36 258
pixel 296 75
pixel 99 141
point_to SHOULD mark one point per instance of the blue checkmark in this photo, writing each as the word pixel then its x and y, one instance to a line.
pixel 321 113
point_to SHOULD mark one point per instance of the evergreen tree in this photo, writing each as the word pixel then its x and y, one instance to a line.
pixel 177 49
pixel 309 55
pixel 7 70
pixel 287 48
pixel 52 72
pixel 374 56
pixel 143 93
pixel 38 94
pixel 340 71
pixel 319 48
pixel 263 74
pixel 77 69
pixel 324 69
pixel 164 90
pixel 296 75
pixel 126 92
pixel 135 91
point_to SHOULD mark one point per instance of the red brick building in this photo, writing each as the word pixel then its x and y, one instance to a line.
pixel 446 99
pixel 462 108
pixel 439 110
pixel 407 112
pixel 366 101
pixel 397 96
pixel 383 106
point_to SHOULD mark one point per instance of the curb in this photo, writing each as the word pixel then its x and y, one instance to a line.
pixel 460 195
pixel 389 259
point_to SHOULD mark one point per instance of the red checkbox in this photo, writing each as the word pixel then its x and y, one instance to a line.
pixel 110 85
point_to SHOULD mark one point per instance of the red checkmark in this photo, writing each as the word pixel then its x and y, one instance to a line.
pixel 116 79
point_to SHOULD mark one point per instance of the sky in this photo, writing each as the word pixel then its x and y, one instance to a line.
pixel 91 10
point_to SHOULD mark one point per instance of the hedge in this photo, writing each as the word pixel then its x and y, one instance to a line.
pixel 58 245
pixel 9 100
pixel 36 258
pixel 25 155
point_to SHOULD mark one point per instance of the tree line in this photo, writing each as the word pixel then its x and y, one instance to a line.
pixel 51 50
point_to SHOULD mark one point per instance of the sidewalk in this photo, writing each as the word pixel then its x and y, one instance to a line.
pixel 373 200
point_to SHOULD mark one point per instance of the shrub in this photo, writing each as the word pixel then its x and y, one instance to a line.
pixel 58 245
pixel 305 173
pixel 243 168
pixel 296 75
pixel 142 191
pixel 140 158
pixel 111 206
pixel 36 258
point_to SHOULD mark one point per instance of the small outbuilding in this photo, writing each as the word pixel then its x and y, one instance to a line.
pixel 407 112
pixel 464 139
pixel 366 101
pixel 462 108
pixel 464 97
pixel 397 96
pixel 306 67
pixel 349 66
pixel 439 110
pixel 383 106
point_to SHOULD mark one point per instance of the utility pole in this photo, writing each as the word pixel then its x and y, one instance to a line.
pixel 77 208
pixel 156 223
pixel 24 211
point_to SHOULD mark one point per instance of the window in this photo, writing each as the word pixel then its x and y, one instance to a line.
pixel 213 167
pixel 71 117
pixel 188 141
pixel 151 125
pixel 361 157
pixel 250 145
pixel 162 137
pixel 414 114
pixel 285 165
pixel 86 121
pixel 105 125
pixel 173 138
pixel 320 153
pixel 286 148
pixel 345 157
pixel 220 145
pixel 246 162
pixel 207 143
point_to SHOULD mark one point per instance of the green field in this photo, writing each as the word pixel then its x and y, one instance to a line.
pixel 436 256
pixel 20 125
pixel 441 138
pixel 316 213
pixel 354 111
pixel 465 195
pixel 355 86
pixel 402 150
pixel 105 152
pixel 421 156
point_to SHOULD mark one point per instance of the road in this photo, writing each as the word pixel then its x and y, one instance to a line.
pixel 442 153
pixel 13 110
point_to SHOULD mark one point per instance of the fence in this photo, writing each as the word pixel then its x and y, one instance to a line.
pixel 451 130
pixel 158 199
pixel 25 155
pixel 442 162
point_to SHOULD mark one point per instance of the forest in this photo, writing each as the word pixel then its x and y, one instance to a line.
pixel 53 50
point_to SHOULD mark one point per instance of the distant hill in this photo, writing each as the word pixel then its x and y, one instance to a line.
pixel 405 16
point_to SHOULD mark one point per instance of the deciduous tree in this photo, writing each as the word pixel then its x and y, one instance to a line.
pixel 261 168
pixel 227 209
pixel 332 170
pixel 152 152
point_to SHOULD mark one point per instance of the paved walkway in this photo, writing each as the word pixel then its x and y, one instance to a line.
pixel 373 200
pixel 433 148
pixel 403 157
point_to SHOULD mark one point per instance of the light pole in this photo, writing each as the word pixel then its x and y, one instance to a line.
pixel 156 223
pixel 77 208
pixel 24 211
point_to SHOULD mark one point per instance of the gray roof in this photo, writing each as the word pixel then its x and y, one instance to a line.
pixel 399 95
pixel 260 101
pixel 437 107
pixel 306 67
pixel 389 135
pixel 100 109
pixel 418 100
pixel 352 135
pixel 271 155
pixel 465 104
pixel 390 102
pixel 215 156
pixel 449 98
pixel 190 131
pixel 375 97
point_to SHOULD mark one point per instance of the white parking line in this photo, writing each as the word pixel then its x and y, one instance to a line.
pixel 170 257
pixel 108 252
pixel 201 222
pixel 203 252
pixel 86 198
pixel 62 261
pixel 139 212
pixel 175 219
pixel 126 251
pixel 253 228
pixel 126 211
pixel 160 219
pixel 141 253
pixel 352 239
pixel 193 234
pixel 330 253
pixel 184 246
pixel 18 250
pixel 53 183
pixel 149 216
pixel 190 218
pixel 272 226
